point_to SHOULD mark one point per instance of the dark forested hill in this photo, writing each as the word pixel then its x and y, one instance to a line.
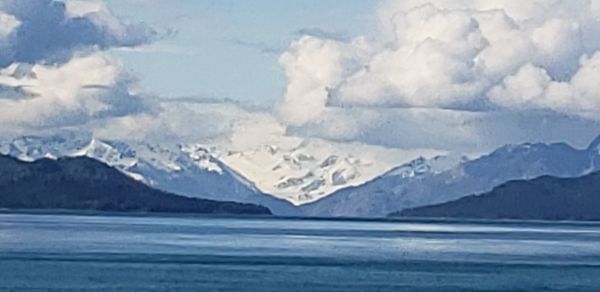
pixel 87 184
pixel 544 198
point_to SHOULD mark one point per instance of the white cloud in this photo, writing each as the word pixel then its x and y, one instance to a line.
pixel 312 66
pixel 80 8
pixel 452 74
pixel 63 80
pixel 473 55
pixel 195 121
pixel 525 88
pixel 532 87
pixel 86 87
pixel 8 24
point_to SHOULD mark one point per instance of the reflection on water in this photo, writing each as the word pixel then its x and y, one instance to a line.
pixel 262 254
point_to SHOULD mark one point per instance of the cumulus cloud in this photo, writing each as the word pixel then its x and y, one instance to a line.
pixel 54 76
pixel 51 31
pixel 479 55
pixel 53 72
pixel 313 67
pixel 453 75
pixel 85 87
pixel 533 87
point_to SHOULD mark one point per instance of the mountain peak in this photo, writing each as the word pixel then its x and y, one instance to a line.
pixel 305 171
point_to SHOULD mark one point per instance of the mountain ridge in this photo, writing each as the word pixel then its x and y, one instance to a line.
pixel 168 169
pixel 388 194
pixel 196 171
pixel 542 198
pixel 83 183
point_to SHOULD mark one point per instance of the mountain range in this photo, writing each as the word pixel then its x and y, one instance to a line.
pixel 83 183
pixel 279 177
pixel 312 178
pixel 395 190
pixel 305 170
pixel 170 169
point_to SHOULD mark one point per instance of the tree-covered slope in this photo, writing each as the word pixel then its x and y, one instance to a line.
pixel 87 184
pixel 544 198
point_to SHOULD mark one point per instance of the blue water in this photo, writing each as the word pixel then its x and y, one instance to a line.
pixel 118 253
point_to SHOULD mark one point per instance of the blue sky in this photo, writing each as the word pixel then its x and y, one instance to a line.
pixel 463 76
pixel 229 49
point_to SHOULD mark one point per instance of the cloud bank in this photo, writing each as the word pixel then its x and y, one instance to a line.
pixel 53 72
pixel 194 120
pixel 468 55
pixel 481 60
pixel 456 75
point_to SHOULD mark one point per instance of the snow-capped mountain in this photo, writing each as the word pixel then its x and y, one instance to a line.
pixel 296 170
pixel 322 178
pixel 175 169
pixel 423 166
pixel 414 184
pixel 306 170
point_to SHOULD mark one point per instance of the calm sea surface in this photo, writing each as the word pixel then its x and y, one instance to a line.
pixel 118 253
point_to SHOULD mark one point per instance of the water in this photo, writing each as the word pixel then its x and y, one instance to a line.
pixel 117 253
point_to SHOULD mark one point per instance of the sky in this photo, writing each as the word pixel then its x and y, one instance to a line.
pixel 230 49
pixel 446 75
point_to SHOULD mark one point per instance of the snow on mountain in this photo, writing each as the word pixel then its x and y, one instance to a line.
pixel 175 169
pixel 117 154
pixel 423 166
pixel 415 184
pixel 30 148
pixel 322 178
pixel 306 170
pixel 290 169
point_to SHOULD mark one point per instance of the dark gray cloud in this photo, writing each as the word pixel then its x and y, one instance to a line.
pixel 53 72
pixel 48 34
